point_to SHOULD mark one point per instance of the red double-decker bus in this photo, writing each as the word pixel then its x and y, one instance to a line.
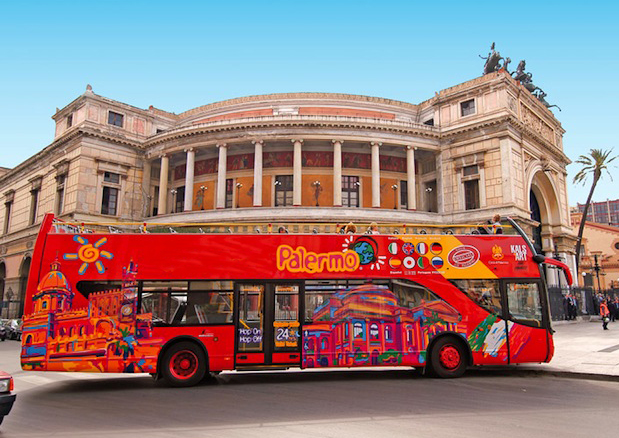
pixel 179 305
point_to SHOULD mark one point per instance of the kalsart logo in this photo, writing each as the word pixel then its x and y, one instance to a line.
pixel 463 256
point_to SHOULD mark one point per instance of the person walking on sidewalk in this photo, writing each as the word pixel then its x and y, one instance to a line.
pixel 604 313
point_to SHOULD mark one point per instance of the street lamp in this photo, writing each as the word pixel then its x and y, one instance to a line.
pixel 238 193
pixel 394 187
pixel 597 268
pixel 173 192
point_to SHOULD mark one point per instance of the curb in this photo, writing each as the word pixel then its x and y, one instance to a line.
pixel 522 370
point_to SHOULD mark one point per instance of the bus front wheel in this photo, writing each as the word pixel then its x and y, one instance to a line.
pixel 448 358
pixel 184 364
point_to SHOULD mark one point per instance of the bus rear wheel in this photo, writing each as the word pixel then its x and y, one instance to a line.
pixel 184 364
pixel 448 358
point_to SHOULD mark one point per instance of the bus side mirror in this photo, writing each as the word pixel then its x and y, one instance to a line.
pixel 539 258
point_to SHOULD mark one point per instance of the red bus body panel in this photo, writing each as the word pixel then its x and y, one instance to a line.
pixel 66 331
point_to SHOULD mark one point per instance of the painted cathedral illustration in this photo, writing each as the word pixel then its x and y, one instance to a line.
pixel 365 326
pixel 106 335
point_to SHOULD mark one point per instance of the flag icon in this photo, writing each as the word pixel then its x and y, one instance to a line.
pixel 436 248
pixel 395 263
pixel 437 262
pixel 422 248
pixel 393 248
pixel 409 262
pixel 422 262
pixel 408 248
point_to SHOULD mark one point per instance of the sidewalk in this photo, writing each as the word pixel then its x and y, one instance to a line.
pixel 583 349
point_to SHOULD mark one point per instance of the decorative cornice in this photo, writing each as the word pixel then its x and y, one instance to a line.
pixel 290 96
pixel 298 122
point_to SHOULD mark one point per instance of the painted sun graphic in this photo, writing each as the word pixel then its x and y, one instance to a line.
pixel 89 253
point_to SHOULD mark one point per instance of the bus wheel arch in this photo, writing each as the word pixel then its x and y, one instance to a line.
pixel 448 355
pixel 183 361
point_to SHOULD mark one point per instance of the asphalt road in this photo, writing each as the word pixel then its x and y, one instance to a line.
pixel 298 404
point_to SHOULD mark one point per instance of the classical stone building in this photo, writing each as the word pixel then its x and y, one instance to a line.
pixel 482 147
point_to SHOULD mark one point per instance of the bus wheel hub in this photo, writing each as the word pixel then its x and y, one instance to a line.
pixel 449 357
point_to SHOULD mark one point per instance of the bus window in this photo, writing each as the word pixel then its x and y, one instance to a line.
pixel 317 294
pixel 524 302
pixel 484 293
pixel 166 300
pixel 209 302
pixel 286 303
pixel 411 294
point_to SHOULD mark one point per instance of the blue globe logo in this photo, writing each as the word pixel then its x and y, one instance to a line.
pixel 365 251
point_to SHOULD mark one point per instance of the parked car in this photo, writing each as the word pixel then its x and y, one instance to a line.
pixel 6 397
pixel 13 329
pixel 3 332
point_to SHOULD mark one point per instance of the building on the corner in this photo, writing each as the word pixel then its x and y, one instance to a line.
pixel 482 147
pixel 599 264
pixel 604 212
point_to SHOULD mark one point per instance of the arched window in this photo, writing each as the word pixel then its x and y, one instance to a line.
pixel 324 345
pixel 29 340
pixel 388 333
pixel 71 331
pixel 44 305
pixel 374 331
pixel 358 330
pixel 81 332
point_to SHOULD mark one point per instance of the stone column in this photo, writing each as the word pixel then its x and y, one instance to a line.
pixel 337 173
pixel 410 178
pixel 221 175
pixel 191 159
pixel 375 174
pixel 258 172
pixel 297 173
pixel 440 201
pixel 506 170
pixel 146 199
pixel 162 203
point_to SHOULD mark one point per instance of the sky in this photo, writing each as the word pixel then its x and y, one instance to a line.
pixel 177 55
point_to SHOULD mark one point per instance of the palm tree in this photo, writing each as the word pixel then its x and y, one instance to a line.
pixel 596 162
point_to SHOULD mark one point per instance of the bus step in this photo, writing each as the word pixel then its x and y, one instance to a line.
pixel 260 367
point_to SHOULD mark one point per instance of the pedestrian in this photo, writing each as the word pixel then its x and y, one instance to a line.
pixel 566 307
pixel 573 307
pixel 604 313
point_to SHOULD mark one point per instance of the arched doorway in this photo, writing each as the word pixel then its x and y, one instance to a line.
pixel 536 215
pixel 24 270
pixel 544 205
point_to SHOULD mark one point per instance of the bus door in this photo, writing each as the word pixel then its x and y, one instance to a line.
pixel 268 326
pixel 528 333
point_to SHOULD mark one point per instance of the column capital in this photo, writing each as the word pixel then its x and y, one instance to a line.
pixel 221 145
pixel 409 147
pixel 375 143
pixel 188 150
pixel 261 142
pixel 299 140
pixel 164 155
pixel 337 141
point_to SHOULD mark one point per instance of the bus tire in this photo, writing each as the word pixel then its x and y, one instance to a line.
pixel 448 358
pixel 183 364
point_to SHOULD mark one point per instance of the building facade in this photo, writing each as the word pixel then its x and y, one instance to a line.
pixel 605 212
pixel 483 147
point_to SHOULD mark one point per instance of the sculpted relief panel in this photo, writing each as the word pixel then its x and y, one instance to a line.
pixel 534 122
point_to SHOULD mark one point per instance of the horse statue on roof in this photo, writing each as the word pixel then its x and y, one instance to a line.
pixel 492 61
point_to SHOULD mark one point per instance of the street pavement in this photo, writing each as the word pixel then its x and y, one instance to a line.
pixel 583 349
pixel 518 401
